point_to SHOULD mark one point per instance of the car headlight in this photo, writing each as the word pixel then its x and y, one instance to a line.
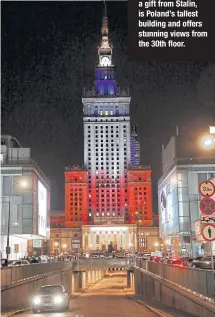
pixel 36 300
pixel 58 299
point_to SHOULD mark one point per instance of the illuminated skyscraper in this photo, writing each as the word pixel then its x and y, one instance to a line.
pixel 110 199
pixel 106 139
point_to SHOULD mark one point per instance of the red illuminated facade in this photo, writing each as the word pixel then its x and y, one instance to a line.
pixel 140 197
pixel 76 197
pixel 57 219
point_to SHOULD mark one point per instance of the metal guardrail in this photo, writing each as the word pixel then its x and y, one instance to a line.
pixel 196 280
pixel 105 263
pixel 10 275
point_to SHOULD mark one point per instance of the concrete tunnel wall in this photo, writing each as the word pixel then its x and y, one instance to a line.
pixel 19 296
pixel 153 289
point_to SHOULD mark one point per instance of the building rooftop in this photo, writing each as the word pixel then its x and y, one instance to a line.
pixel 74 168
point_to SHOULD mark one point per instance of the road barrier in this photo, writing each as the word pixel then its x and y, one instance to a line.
pixel 105 263
pixel 14 274
pixel 156 290
pixel 196 280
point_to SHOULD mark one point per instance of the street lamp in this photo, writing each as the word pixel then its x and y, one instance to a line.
pixel 209 142
pixel 156 244
pixel 212 129
pixel 23 184
pixel 64 246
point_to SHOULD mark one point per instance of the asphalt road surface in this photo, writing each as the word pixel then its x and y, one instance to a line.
pixel 105 299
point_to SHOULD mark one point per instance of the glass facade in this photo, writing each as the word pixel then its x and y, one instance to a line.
pixel 20 199
pixel 178 197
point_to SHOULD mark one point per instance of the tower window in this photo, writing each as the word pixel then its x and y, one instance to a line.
pixel 96 111
pixel 116 111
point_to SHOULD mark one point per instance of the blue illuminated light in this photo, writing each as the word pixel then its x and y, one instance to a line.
pixel 105 82
pixel 96 111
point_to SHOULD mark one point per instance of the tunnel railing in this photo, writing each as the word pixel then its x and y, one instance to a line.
pixel 196 280
pixel 14 274
pixel 105 263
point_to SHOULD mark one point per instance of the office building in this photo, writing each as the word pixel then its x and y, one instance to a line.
pixel 25 200
pixel 184 166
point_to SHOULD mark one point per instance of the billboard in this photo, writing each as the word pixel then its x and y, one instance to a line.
pixel 166 204
pixel 168 208
pixel 42 209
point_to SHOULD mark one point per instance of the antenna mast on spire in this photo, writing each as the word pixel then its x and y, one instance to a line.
pixel 104 22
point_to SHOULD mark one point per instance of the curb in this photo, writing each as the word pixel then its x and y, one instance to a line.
pixel 151 309
pixel 15 312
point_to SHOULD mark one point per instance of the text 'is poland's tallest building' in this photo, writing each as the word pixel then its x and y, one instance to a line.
pixel 112 191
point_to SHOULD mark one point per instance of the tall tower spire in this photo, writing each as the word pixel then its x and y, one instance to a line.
pixel 105 49
pixel 104 29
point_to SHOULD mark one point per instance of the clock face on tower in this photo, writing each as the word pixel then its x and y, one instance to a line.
pixel 105 61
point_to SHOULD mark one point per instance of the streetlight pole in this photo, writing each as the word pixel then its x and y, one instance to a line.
pixel 8 233
pixel 190 226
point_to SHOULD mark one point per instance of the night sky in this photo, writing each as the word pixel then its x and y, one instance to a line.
pixel 49 51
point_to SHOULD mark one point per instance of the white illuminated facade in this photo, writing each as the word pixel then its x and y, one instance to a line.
pixel 99 237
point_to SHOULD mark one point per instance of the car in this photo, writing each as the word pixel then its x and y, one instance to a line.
pixel 155 258
pixel 18 262
pixel 204 263
pixel 175 262
pixel 196 261
pixel 189 261
pixel 95 255
pixel 50 297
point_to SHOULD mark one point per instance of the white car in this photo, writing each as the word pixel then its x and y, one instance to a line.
pixel 19 262
pixel 102 256
pixel 50 297
pixel 94 256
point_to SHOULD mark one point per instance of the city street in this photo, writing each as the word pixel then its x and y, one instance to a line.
pixel 105 299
